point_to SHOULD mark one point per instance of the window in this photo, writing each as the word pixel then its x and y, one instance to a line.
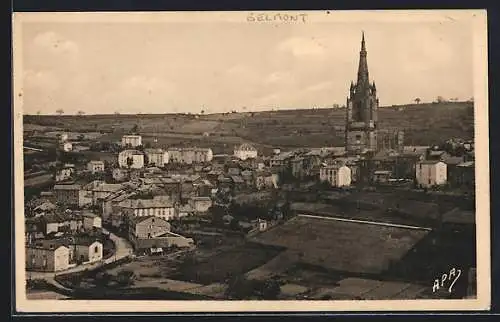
pixel 96 249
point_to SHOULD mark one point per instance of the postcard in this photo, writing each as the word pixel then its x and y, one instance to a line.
pixel 265 161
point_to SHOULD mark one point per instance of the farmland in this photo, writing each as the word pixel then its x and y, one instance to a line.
pixel 343 246
pixel 285 128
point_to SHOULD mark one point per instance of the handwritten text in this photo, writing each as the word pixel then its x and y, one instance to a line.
pixel 449 279
pixel 278 17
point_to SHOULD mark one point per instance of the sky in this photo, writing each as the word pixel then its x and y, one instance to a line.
pixel 180 67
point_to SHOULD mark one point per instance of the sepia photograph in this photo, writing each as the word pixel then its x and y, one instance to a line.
pixel 251 161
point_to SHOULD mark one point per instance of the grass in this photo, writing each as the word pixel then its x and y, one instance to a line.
pixel 424 124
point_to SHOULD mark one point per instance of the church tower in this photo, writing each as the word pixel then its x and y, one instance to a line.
pixel 361 115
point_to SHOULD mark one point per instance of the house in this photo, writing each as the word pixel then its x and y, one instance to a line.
pixel 245 151
pixel 261 224
pixel 148 234
pixel 158 206
pixel 298 168
pixel 185 210
pixel 147 227
pixel 33 230
pixel 190 155
pixel 131 159
pixel 47 258
pixel 433 154
pixel 95 166
pixel 120 174
pixel 464 175
pixel 405 167
pixel 266 180
pixel 381 176
pixel 91 221
pixel 109 204
pixel 56 222
pixel 67 146
pixel 87 250
pixel 98 190
pixel 44 208
pixel 69 194
pixel 63 137
pixel 451 165
pixel 201 204
pixel 64 173
pixel 131 141
pixel 281 160
pixel 157 157
pixel 431 173
pixel 336 175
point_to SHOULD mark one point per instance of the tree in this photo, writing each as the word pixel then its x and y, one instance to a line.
pixel 417 100
pixel 235 224
pixel 103 279
pixel 81 113
pixel 135 128
pixel 60 111
pixel 217 212
pixel 270 290
pixel 125 277
pixel 440 99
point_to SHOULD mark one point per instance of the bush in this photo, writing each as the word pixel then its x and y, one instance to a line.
pixel 125 278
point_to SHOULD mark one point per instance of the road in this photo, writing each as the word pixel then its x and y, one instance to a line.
pixel 122 249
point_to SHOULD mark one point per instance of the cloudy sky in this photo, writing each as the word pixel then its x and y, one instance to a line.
pixel 162 67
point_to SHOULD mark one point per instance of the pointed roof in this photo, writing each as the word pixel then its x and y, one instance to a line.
pixel 363 78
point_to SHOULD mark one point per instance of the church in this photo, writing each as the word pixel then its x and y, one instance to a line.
pixel 362 106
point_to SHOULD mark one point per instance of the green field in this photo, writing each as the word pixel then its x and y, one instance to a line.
pixel 424 124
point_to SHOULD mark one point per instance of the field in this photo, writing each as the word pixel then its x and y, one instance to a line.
pixel 286 128
pixel 232 262
pixel 343 246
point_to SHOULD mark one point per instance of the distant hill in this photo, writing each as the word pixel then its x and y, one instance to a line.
pixel 424 124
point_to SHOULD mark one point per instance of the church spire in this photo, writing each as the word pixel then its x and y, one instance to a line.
pixel 363 80
pixel 363 47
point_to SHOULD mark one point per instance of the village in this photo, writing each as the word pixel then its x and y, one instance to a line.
pixel 137 218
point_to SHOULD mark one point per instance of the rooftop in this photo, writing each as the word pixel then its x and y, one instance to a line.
pixel 430 162
pixel 468 164
pixel 156 202
pixel 246 147
pixel 67 187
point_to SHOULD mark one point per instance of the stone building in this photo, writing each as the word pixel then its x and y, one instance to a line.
pixel 362 106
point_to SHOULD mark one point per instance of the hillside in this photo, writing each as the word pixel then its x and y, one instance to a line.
pixel 424 124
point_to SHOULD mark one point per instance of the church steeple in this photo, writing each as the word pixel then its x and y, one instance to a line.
pixel 361 109
pixel 363 79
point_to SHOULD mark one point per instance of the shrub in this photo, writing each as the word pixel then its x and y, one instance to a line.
pixel 125 278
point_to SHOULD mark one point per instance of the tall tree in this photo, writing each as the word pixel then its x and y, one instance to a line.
pixel 60 111
pixel 417 100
